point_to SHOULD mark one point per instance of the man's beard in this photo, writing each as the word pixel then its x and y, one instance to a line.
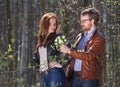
pixel 87 28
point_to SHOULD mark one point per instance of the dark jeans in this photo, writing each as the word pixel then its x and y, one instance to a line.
pixel 55 78
pixel 76 82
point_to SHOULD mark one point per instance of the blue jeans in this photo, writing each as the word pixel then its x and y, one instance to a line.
pixel 76 82
pixel 55 78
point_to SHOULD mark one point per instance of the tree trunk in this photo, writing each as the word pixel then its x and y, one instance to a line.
pixel 9 37
pixel 3 26
pixel 24 43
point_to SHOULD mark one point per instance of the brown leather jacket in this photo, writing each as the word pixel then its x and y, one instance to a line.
pixel 91 58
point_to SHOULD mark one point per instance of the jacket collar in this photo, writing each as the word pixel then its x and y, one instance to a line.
pixel 80 35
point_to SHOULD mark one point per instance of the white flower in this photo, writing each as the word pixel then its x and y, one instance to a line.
pixel 63 37
pixel 58 38
pixel 55 40
pixel 65 40
pixel 60 41
pixel 55 43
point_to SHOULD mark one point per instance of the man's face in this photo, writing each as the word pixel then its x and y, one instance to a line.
pixel 85 23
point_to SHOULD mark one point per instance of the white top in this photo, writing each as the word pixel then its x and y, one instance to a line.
pixel 43 58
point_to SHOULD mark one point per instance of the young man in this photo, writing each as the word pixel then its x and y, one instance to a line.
pixel 85 67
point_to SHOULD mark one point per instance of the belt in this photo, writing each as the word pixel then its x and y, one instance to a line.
pixel 78 73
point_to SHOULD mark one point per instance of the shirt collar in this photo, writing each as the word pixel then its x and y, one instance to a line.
pixel 90 33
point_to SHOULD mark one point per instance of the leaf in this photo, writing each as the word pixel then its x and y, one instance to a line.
pixel 13 40
pixel 9 48
pixel 18 59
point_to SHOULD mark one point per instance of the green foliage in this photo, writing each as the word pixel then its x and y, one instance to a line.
pixel 13 40
pixel 10 51
pixel 5 56
pixel 18 59
pixel 9 48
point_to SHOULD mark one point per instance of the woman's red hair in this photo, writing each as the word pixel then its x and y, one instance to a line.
pixel 43 30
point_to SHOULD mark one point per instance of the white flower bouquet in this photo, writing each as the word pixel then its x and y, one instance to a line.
pixel 60 40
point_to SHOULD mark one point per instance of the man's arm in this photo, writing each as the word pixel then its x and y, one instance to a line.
pixel 96 49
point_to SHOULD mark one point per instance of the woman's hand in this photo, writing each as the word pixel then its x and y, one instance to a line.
pixel 55 64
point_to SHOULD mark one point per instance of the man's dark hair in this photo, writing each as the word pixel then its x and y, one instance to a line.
pixel 93 14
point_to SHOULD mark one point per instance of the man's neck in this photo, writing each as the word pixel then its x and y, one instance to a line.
pixel 92 29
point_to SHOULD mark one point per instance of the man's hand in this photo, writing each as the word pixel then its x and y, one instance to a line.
pixel 65 49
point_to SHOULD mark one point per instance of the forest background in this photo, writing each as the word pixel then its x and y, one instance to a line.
pixel 19 21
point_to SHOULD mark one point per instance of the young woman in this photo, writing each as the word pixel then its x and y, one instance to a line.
pixel 54 76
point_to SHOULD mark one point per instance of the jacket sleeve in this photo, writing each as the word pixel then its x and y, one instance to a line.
pixel 94 50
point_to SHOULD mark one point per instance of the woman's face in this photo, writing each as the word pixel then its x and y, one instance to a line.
pixel 52 25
